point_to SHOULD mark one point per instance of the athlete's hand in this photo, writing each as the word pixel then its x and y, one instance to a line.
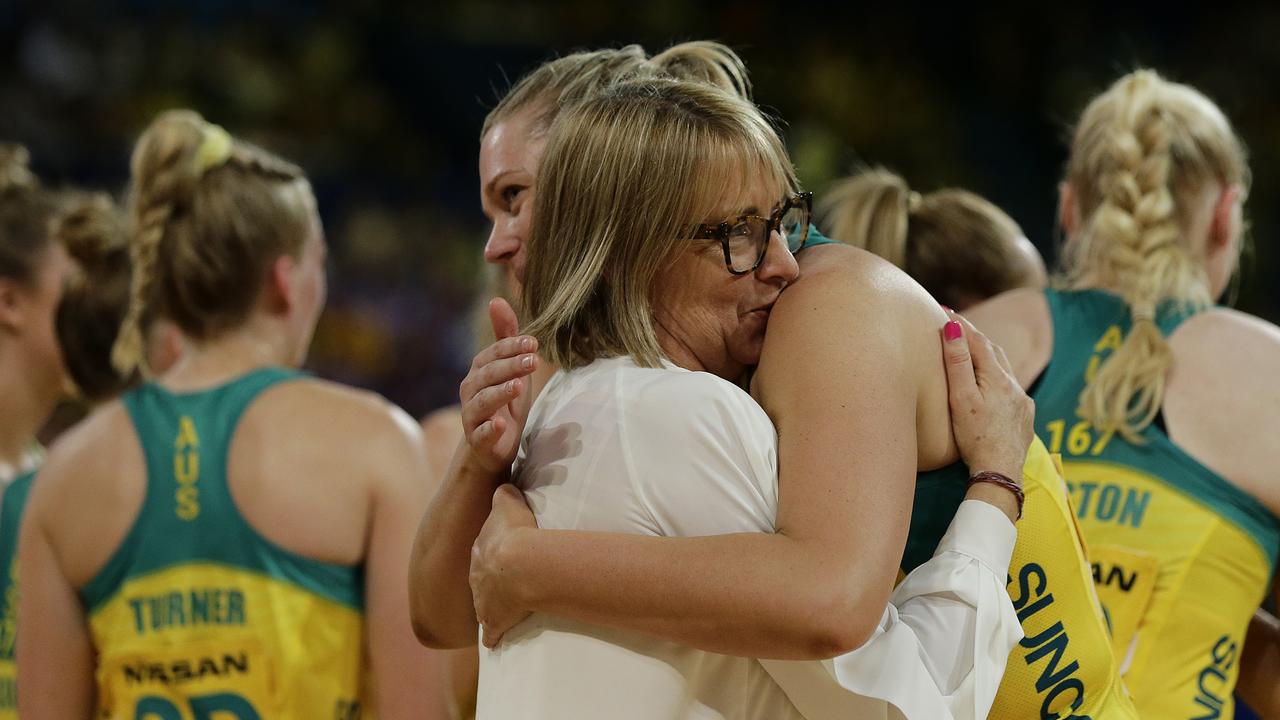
pixel 494 394
pixel 497 608
pixel 992 418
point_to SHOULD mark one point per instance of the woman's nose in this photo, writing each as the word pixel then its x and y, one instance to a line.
pixel 503 244
pixel 779 264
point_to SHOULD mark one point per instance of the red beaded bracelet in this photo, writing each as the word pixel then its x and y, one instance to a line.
pixel 1003 481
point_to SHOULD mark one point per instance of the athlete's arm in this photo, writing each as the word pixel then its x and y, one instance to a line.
pixel 443 431
pixel 495 403
pixel 403 670
pixel 841 387
pixel 54 648
pixel 1259 682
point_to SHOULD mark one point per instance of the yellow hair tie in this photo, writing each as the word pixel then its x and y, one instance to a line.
pixel 214 149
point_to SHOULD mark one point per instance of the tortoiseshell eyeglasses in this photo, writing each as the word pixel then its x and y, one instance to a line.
pixel 745 239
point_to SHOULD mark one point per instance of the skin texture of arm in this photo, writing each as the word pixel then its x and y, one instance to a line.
pixel 460 674
pixel 401 666
pixel 442 609
pixel 841 379
pixel 54 647
pixel 1259 682
pixel 493 412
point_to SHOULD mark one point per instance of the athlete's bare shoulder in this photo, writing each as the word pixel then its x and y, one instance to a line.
pixel 1223 399
pixel 859 312
pixel 847 275
pixel 1234 353
pixel 339 413
pixel 93 452
pixel 90 489
pixel 1018 321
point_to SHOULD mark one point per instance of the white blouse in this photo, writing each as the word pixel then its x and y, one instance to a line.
pixel 669 452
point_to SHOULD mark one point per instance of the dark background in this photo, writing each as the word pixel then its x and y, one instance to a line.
pixel 382 104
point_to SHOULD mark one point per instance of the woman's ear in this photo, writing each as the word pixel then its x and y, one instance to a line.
pixel 13 302
pixel 280 283
pixel 1224 228
pixel 1068 215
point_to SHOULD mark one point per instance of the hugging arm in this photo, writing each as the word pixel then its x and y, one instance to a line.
pixel 495 402
pixel 839 384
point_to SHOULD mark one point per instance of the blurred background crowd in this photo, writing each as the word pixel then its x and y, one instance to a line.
pixel 382 105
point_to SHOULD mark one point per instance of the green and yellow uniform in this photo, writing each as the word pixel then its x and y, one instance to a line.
pixel 196 615
pixel 1064 667
pixel 11 507
pixel 1181 557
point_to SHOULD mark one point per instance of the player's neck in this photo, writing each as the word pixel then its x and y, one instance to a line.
pixel 24 412
pixel 232 354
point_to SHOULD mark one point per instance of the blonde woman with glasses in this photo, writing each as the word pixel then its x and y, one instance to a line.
pixel 512 140
pixel 1048 557
pixel 643 433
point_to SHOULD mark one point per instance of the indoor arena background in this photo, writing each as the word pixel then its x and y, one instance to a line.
pixel 382 105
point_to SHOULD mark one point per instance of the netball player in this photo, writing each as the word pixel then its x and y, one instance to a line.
pixel 511 145
pixel 32 270
pixel 1162 404
pixel 960 247
pixel 230 537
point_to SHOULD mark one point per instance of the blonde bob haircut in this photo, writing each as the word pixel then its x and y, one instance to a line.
pixel 626 177
pixel 1142 153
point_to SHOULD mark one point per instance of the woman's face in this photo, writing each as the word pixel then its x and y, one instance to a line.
pixel 509 156
pixel 35 318
pixel 709 319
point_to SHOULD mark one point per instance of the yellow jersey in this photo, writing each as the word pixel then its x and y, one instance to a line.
pixel 1181 557
pixel 196 615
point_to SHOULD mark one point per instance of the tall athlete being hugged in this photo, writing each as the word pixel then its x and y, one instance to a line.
pixel 230 539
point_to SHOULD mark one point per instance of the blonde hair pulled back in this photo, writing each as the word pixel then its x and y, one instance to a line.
pixel 207 216
pixel 559 83
pixel 1142 153
pixel 956 244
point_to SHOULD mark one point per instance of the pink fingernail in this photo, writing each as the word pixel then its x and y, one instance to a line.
pixel 526 362
pixel 526 344
pixel 511 386
pixel 951 331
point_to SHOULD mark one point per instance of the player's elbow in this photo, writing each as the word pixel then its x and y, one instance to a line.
pixel 838 623
pixel 437 634
pixel 434 625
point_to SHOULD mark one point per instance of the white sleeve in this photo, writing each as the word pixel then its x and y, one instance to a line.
pixel 942 644
pixel 700 454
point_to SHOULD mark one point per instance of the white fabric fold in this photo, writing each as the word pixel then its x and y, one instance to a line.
pixel 941 646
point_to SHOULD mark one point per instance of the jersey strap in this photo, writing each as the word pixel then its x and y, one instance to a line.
pixel 1087 326
pixel 188 515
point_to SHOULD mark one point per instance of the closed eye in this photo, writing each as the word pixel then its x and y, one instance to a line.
pixel 510 193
